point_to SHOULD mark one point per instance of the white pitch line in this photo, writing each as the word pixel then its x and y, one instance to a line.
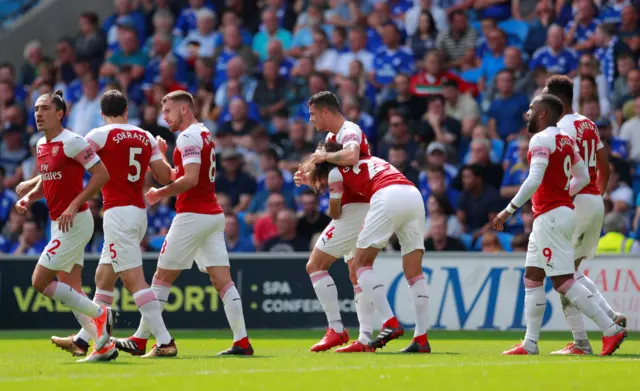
pixel 304 370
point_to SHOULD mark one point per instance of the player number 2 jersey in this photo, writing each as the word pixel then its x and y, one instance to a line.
pixel 195 145
pixel 365 178
pixel 62 162
pixel 126 151
pixel 585 133
pixel 559 151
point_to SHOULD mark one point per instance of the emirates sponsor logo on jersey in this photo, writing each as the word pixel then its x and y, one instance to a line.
pixel 54 150
pixel 52 176
pixel 44 167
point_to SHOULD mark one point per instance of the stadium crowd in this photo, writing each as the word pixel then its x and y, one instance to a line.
pixel 440 87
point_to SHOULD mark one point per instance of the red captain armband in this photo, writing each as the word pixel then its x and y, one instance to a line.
pixel 541 152
pixel 85 156
pixel 350 137
pixel 190 152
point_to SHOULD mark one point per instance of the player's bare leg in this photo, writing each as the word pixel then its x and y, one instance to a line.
pixel 535 303
pixel 221 279
pixel 412 265
pixel 581 297
pixel 135 345
pixel 43 280
pixel 364 310
pixel 327 293
pixel 580 344
pixel 371 286
pixel 105 280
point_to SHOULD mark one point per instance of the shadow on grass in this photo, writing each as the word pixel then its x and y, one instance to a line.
pixel 215 356
pixel 418 354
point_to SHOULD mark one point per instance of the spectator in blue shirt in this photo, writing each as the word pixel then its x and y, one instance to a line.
pixel 273 184
pixel 125 15
pixel 230 18
pixel 159 217
pixel 270 160
pixel 233 46
pixel 506 113
pixel 236 243
pixel 128 53
pixel 555 57
pixel 187 21
pixel 200 42
pixel 493 61
pixel 8 198
pixel 579 31
pixel 162 49
pixel 271 31
pixel 609 48
pixel 515 175
pixel 30 241
pixel 275 53
pixel 392 58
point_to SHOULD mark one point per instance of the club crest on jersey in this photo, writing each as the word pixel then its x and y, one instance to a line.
pixel 54 150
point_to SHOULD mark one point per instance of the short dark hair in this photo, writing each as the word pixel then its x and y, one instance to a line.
pixel 113 103
pixel 475 169
pixel 455 13
pixel 554 105
pixel 325 100
pixel 322 169
pixel 179 96
pixel 561 86
pixel 57 100
pixel 608 29
pixel 272 153
pixel 434 97
pixel 91 17
pixel 308 192
pixel 589 78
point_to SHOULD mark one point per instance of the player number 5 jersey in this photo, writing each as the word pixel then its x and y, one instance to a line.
pixel 195 145
pixel 555 148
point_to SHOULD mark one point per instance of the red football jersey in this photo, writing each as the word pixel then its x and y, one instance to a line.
pixel 195 145
pixel 365 178
pixel 126 151
pixel 585 133
pixel 559 150
pixel 350 133
pixel 62 162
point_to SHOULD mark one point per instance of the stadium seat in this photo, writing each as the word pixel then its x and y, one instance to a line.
pixel 467 240
pixel 516 28
pixel 505 240
pixel 155 243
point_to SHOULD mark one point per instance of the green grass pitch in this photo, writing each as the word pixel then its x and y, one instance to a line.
pixel 465 361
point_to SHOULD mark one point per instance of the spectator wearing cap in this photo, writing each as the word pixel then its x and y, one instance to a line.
pixel 614 240
pixel 8 198
pixel 506 111
pixel 296 145
pixel 588 68
pixel 128 53
pixel 461 107
pixel 609 47
pixel 437 156
pixel 85 114
pixel 311 221
pixel 438 237
pixel 236 243
pixel 90 42
pixel 199 42
pixel 555 57
pixel 479 203
pixel 391 58
pixel 358 51
pixel 236 72
pixel 234 182
pixel 493 61
pixel 270 32
pixel 404 103
pixel 233 46
pixel 124 17
pixel 630 132
pixel 412 18
pixel 437 125
pixel 287 239
pixel 458 40
pixel 579 31
pixel 188 18
pixel 398 135
pixel 430 79
pixel 625 107
pixel 399 158
pixel 230 18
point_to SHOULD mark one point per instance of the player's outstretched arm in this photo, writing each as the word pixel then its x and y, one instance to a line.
pixel 348 156
pixel 25 187
pixel 602 163
pixel 162 171
pixel 181 185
